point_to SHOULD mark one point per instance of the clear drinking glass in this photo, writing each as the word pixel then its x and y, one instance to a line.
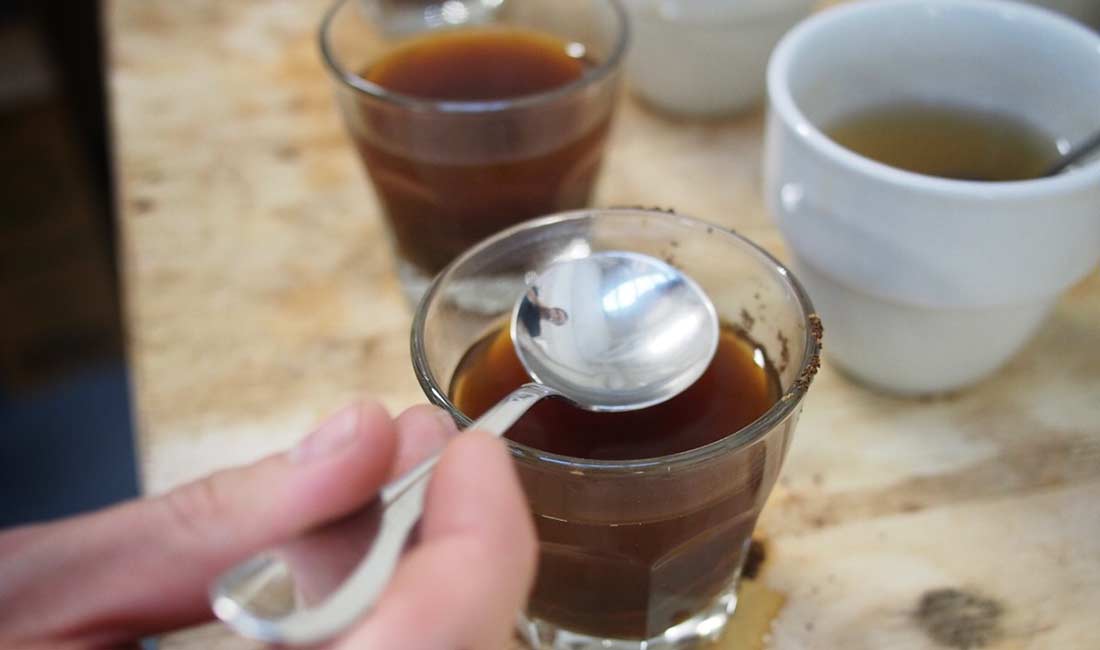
pixel 641 553
pixel 450 173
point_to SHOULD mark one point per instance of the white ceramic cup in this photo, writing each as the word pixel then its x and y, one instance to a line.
pixel 703 58
pixel 929 284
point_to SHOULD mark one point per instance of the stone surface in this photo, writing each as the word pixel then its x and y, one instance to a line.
pixel 259 296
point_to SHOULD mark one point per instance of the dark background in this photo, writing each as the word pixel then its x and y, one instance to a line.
pixel 66 440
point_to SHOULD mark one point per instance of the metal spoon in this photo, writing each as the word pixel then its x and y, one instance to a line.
pixel 1073 156
pixel 613 331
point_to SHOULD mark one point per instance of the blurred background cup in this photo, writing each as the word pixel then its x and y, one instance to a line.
pixel 1086 11
pixel 705 58
pixel 640 553
pixel 929 284
pixel 448 173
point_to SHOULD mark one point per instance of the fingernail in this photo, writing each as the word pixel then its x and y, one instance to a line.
pixel 336 433
pixel 445 420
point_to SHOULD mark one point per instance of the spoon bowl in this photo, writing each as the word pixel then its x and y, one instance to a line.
pixel 614 331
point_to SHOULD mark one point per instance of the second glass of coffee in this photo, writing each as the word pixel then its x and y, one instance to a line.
pixel 472 116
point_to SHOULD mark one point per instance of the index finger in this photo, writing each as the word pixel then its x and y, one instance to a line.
pixel 422 430
pixel 462 586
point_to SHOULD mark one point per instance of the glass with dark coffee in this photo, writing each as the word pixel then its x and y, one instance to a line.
pixel 472 116
pixel 644 518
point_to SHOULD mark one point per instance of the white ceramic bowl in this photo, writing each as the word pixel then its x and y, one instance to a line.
pixel 929 284
pixel 705 57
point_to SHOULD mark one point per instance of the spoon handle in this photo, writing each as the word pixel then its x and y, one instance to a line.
pixel 1077 154
pixel 398 506
pixel 504 413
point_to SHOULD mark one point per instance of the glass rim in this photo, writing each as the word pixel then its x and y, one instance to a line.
pixel 369 89
pixel 783 408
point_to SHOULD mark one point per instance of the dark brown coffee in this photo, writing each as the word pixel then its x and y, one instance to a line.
pixel 444 189
pixel 616 577
pixel 738 387
pixel 477 65
pixel 947 141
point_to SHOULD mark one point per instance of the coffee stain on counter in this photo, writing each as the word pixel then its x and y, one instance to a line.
pixel 958 618
pixel 750 627
pixel 758 605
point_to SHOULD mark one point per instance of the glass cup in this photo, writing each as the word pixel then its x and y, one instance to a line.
pixel 641 553
pixel 450 173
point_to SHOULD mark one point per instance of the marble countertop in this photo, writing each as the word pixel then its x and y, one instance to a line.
pixel 259 296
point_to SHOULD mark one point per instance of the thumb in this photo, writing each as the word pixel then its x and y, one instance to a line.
pixel 146 566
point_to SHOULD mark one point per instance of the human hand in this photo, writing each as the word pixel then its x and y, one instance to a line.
pixel 141 568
